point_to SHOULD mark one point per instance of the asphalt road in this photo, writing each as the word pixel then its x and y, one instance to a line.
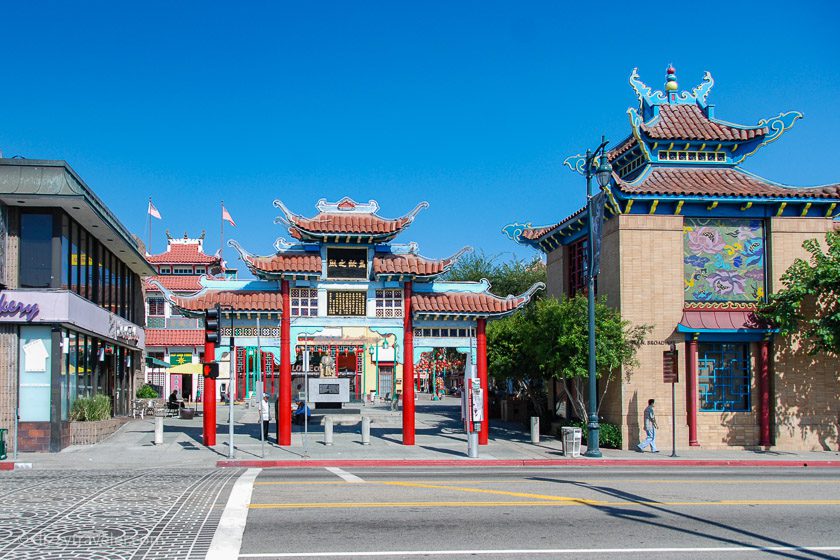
pixel 573 513
pixel 447 513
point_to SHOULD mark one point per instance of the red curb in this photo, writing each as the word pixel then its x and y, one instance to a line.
pixel 525 463
pixel 7 466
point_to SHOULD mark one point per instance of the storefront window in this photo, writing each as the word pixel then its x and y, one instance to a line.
pixel 65 252
pixel 36 231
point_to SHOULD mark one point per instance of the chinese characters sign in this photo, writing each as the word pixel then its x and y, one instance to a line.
pixel 346 303
pixel 346 263
pixel 723 260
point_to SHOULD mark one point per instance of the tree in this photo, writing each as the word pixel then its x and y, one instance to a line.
pixel 551 340
pixel 807 309
pixel 510 277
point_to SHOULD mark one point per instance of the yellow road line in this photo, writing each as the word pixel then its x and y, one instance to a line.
pixel 484 491
pixel 548 503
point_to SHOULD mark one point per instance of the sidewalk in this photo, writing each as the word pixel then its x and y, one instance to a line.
pixel 440 441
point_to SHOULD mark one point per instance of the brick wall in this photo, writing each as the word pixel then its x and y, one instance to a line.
pixel 89 433
pixel 806 388
pixel 34 436
pixel 8 378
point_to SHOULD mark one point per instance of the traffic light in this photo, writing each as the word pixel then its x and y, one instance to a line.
pixel 212 323
pixel 211 370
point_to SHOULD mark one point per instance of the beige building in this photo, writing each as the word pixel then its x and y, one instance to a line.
pixel 691 244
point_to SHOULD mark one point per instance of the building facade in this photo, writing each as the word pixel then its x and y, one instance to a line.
pixel 175 342
pixel 691 243
pixel 365 308
pixel 71 307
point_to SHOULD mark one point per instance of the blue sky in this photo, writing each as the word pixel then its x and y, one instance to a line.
pixel 471 106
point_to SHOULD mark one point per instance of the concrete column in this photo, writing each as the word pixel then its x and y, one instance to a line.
pixel 284 419
pixel 481 358
pixel 764 392
pixel 408 368
pixel 365 430
pixel 691 390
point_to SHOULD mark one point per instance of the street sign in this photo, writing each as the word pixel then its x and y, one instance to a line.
pixel 670 369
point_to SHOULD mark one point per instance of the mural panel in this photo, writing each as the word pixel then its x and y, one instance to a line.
pixel 723 260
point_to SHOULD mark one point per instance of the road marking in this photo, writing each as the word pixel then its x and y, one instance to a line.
pixel 526 551
pixel 346 476
pixel 227 540
pixel 543 503
pixel 485 491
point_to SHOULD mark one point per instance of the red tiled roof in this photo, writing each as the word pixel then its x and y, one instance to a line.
pixel 175 283
pixel 626 145
pixel 726 320
pixel 385 263
pixel 369 224
pixel 716 181
pixel 186 253
pixel 463 302
pixel 241 300
pixel 293 262
pixel 174 337
pixel 688 122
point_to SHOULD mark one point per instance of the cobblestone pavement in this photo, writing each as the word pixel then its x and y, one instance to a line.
pixel 148 514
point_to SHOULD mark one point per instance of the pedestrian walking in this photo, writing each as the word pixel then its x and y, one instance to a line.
pixel 265 415
pixel 650 430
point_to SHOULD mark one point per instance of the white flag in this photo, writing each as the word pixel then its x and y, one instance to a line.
pixel 226 216
pixel 153 212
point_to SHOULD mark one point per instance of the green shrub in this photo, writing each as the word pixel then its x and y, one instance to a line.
pixel 147 392
pixel 91 409
pixel 609 435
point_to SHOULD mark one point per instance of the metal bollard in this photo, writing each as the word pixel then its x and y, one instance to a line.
pixel 158 430
pixel 535 429
pixel 365 430
pixel 328 430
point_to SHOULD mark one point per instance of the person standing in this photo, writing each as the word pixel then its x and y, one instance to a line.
pixel 265 415
pixel 650 429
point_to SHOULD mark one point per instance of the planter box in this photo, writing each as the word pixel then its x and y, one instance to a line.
pixel 88 433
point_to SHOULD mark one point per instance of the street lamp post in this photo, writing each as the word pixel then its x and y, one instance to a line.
pixel 603 175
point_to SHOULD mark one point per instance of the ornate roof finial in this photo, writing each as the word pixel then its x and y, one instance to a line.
pixel 671 79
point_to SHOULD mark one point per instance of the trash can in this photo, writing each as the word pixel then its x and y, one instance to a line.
pixel 571 440
pixel 3 443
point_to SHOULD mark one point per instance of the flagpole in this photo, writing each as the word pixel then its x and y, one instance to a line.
pixel 149 217
pixel 222 234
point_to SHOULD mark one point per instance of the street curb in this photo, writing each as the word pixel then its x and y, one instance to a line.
pixel 305 464
pixel 7 466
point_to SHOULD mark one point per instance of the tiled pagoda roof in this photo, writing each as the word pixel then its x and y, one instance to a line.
pixel 717 181
pixel 286 262
pixel 470 303
pixel 720 320
pixel 388 264
pixel 182 253
pixel 689 122
pixel 174 337
pixel 348 219
pixel 465 302
pixel 240 300
pixel 175 283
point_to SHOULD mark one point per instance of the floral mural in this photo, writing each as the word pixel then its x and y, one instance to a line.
pixel 724 260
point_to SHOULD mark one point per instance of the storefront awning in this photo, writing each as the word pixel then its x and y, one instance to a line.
pixel 723 321
pixel 191 369
pixel 154 362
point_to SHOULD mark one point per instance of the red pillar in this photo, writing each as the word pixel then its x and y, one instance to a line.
pixel 284 417
pixel 209 418
pixel 408 368
pixel 764 392
pixel 691 390
pixel 481 349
